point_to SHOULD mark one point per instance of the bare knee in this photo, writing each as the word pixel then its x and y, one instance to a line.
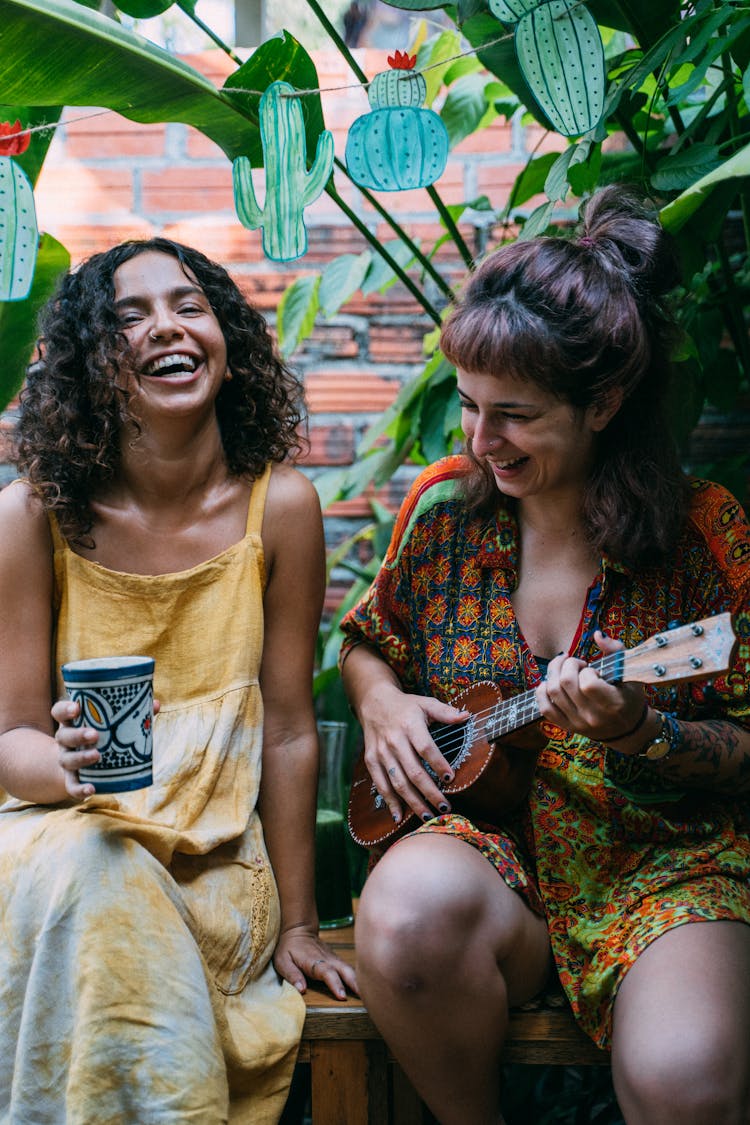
pixel 406 930
pixel 687 1079
pixel 434 910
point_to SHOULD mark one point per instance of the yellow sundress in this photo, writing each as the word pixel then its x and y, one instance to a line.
pixel 136 929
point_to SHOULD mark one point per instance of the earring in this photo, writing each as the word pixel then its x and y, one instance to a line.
pixel 228 376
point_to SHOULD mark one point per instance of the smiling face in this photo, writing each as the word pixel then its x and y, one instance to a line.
pixel 534 444
pixel 178 348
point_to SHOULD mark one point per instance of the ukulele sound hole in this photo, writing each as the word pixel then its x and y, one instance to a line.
pixel 454 742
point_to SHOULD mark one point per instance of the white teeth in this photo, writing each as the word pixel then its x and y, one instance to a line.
pixel 507 464
pixel 184 362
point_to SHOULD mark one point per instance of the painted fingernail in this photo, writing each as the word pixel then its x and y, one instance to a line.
pixel 397 817
pixel 444 807
pixel 447 777
pixel 426 816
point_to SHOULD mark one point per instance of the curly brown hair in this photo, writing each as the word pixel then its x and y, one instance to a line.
pixel 67 439
pixel 581 318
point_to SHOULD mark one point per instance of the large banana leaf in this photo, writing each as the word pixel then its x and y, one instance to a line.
pixel 58 52
pixel 18 318
pixel 676 214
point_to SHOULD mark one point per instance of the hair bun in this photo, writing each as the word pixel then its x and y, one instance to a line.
pixel 625 230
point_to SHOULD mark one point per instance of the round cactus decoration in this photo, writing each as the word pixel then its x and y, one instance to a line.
pixel 398 145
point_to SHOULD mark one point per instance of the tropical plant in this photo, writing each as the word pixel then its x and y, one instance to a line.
pixel 673 118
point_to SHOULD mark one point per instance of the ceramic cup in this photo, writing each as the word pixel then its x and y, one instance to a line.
pixel 117 700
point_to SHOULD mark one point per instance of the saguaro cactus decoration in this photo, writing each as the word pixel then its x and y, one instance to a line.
pixel 560 52
pixel 398 145
pixel 289 186
pixel 19 234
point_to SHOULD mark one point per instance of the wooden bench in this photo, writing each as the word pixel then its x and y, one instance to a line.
pixel 354 1080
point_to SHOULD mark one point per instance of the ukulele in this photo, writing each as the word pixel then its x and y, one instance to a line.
pixel 493 753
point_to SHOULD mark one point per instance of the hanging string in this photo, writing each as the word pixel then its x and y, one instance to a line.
pixel 259 93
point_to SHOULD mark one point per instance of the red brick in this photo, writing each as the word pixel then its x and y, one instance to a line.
pixel 348 392
pixel 331 342
pixel 497 137
pixel 223 239
pixel 396 343
pixel 109 136
pixel 330 445
pixel 185 188
pixel 81 241
pixel 496 180
pixel 72 188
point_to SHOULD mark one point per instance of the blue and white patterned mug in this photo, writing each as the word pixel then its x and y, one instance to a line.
pixel 116 698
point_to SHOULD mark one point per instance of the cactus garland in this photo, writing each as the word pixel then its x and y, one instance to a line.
pixel 560 53
pixel 397 145
pixel 289 186
pixel 19 234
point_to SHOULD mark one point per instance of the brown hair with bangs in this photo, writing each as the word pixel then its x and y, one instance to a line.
pixel 583 318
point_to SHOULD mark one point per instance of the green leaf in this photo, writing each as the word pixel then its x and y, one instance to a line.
pixel 57 52
pixel 675 173
pixel 380 276
pixel 144 9
pixel 18 330
pixel 647 20
pixel 297 310
pixel 415 5
pixel 676 213
pixel 279 59
pixel 533 178
pixel 435 55
pixel 537 222
pixel 557 183
pixel 584 173
pixel 341 279
pixel 464 107
pixel 723 379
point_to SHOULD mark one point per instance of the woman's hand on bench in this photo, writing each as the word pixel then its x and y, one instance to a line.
pixel 301 956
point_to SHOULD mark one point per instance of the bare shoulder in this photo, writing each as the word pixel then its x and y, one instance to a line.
pixel 24 527
pixel 291 493
pixel 292 530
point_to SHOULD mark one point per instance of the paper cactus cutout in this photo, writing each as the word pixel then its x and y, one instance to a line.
pixel 19 234
pixel 560 53
pixel 397 145
pixel 289 186
pixel 14 139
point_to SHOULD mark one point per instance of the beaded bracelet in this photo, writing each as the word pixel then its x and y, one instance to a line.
pixel 671 730
pixel 633 730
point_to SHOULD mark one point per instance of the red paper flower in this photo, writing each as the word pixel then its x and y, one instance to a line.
pixel 11 143
pixel 402 61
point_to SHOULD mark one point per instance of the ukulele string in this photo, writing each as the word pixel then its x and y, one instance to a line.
pixel 521 706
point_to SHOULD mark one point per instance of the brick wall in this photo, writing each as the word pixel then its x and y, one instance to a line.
pixel 106 179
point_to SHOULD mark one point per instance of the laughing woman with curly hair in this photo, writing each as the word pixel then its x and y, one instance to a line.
pixel 155 942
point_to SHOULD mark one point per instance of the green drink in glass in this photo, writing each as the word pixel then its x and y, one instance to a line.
pixel 333 892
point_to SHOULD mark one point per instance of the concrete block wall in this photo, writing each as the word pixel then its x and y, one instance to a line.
pixel 106 179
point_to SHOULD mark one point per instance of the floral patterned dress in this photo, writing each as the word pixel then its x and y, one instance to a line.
pixel 611 853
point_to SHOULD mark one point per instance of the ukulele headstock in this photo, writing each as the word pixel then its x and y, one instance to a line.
pixel 689 652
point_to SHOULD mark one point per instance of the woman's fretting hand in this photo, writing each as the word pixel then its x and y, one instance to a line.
pixel 576 698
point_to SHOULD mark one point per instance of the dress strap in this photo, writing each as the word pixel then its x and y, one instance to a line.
pixel 58 540
pixel 257 504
